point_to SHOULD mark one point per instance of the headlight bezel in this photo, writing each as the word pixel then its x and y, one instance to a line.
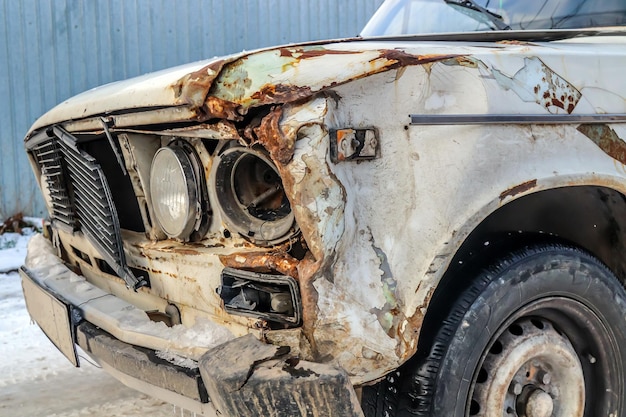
pixel 187 164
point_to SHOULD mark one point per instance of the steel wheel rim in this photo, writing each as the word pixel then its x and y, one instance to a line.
pixel 590 342
pixel 531 370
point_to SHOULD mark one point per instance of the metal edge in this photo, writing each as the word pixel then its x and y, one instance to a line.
pixel 489 119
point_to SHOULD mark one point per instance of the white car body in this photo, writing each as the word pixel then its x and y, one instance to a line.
pixel 462 130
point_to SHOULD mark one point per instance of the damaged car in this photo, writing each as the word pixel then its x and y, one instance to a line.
pixel 426 220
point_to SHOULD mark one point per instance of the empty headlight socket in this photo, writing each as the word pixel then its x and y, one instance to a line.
pixel 250 197
pixel 274 298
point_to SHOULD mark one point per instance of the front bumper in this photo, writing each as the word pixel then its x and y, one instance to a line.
pixel 239 377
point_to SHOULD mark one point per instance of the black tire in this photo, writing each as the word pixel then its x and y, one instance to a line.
pixel 382 398
pixel 560 298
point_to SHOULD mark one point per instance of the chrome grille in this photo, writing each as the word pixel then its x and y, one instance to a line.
pixel 82 198
pixel 49 158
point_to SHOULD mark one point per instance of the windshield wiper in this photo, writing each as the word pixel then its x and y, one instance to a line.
pixel 494 18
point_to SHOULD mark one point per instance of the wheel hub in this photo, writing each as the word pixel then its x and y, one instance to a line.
pixel 530 370
pixel 539 404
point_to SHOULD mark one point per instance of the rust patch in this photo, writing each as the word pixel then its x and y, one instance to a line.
pixel 269 135
pixel 514 42
pixel 217 108
pixel 200 88
pixel 310 52
pixel 194 87
pixel 280 93
pixel 263 262
pixel 463 61
pixel 407 339
pixel 402 59
pixel 606 139
pixel 521 188
pixel 307 270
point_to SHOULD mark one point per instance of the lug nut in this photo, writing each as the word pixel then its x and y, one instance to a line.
pixel 516 388
pixel 544 377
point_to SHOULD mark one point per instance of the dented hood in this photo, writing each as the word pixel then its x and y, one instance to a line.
pixel 153 90
pixel 228 87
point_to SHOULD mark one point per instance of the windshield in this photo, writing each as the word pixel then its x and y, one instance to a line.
pixel 412 17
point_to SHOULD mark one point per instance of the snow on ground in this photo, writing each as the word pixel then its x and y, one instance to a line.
pixel 36 380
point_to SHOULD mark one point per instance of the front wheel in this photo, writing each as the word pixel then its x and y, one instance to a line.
pixel 541 333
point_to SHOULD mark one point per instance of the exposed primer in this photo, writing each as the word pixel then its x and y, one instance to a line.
pixel 536 82
pixel 606 139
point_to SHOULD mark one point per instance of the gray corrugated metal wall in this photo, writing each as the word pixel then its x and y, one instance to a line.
pixel 53 49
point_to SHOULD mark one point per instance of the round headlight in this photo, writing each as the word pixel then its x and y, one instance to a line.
pixel 251 196
pixel 174 192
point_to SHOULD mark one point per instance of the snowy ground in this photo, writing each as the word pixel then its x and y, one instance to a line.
pixel 36 380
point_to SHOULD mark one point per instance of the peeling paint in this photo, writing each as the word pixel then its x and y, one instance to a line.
pixel 228 88
pixel 606 139
pixel 464 61
pixel 285 75
pixel 193 88
pixel 536 82
pixel 386 314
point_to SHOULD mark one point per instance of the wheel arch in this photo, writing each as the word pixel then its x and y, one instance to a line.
pixel 589 216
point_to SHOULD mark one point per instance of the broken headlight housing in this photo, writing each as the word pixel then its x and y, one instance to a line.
pixel 251 196
pixel 275 298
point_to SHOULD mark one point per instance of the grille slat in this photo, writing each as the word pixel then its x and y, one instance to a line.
pixel 81 198
pixel 49 158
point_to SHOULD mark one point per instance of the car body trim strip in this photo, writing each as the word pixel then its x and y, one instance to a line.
pixel 480 119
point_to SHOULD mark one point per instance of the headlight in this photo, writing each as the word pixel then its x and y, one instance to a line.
pixel 251 196
pixel 174 191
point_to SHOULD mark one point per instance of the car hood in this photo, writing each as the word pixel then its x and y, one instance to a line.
pixel 228 87
pixel 153 90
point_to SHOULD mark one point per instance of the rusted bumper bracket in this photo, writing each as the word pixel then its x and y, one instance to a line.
pixel 246 377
